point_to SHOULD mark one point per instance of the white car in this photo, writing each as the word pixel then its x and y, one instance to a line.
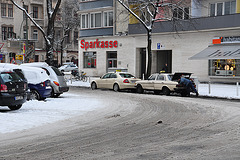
pixel 116 81
pixel 68 67
pixel 157 83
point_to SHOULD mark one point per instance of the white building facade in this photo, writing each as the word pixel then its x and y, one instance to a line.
pixel 207 45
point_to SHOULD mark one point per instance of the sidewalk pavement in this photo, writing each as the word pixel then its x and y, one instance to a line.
pixel 216 90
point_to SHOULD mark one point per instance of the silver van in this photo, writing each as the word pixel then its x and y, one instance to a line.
pixel 58 82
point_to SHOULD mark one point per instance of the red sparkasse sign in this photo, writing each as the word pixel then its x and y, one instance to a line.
pixel 98 44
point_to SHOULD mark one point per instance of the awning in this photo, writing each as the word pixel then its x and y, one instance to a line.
pixel 221 51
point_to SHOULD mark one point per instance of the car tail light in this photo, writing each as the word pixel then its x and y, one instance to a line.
pixel 56 83
pixel 3 88
pixel 43 84
pixel 25 86
pixel 126 81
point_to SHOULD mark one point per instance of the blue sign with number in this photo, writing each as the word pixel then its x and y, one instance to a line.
pixel 158 45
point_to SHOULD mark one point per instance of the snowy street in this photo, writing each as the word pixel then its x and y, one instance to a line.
pixel 103 124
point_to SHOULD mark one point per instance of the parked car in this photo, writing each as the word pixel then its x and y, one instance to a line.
pixel 116 81
pixel 38 82
pixel 180 88
pixel 37 79
pixel 12 90
pixel 58 82
pixel 68 67
pixel 158 83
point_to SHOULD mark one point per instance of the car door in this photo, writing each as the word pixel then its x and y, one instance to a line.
pixel 102 83
pixel 158 84
pixel 149 84
pixel 110 81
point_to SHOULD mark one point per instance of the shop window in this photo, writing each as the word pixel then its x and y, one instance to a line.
pixel 112 59
pixel 224 67
pixel 223 8
pixel 89 59
pixel 108 18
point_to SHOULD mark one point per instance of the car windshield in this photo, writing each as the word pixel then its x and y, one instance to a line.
pixel 57 71
pixel 126 75
pixel 10 76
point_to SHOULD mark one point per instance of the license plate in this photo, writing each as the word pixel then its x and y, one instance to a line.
pixel 18 97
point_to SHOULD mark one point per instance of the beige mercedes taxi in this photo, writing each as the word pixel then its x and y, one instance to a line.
pixel 116 81
pixel 158 83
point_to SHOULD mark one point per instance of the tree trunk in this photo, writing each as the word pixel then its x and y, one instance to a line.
pixel 149 49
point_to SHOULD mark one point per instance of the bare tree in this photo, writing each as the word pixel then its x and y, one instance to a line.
pixel 70 21
pixel 49 34
pixel 149 11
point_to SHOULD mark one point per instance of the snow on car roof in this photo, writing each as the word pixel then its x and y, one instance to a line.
pixel 34 75
pixel 34 64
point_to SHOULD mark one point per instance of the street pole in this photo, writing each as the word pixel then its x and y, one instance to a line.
pixel 26 43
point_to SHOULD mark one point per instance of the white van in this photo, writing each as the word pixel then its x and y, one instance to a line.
pixel 58 82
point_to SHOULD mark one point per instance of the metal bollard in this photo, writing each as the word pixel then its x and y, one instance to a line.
pixel 143 76
pixel 237 87
pixel 209 87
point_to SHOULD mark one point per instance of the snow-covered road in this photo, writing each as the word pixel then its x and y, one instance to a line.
pixel 35 113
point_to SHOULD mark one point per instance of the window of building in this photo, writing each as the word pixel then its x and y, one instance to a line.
pixel 89 59
pixel 108 18
pixel 181 13
pixel 96 20
pixel 3 10
pixel 11 34
pixel 35 12
pixel 75 37
pixel 223 8
pixel 84 21
pixel 4 33
pixel 10 10
pixel 68 38
pixel 35 34
pixel 224 67
pixel 112 59
pixel 7 32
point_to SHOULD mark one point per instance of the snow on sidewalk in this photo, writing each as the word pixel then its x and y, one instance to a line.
pixel 216 90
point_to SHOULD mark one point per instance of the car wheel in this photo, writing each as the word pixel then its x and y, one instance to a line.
pixel 139 89
pixel 94 86
pixel 166 91
pixel 116 87
pixel 35 95
pixel 15 107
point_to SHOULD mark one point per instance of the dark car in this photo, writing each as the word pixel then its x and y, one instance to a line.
pixel 13 90
pixel 180 88
pixel 38 82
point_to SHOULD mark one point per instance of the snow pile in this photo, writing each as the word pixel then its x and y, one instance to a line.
pixel 36 113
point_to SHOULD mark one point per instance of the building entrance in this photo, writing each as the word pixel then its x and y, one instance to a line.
pixel 164 57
